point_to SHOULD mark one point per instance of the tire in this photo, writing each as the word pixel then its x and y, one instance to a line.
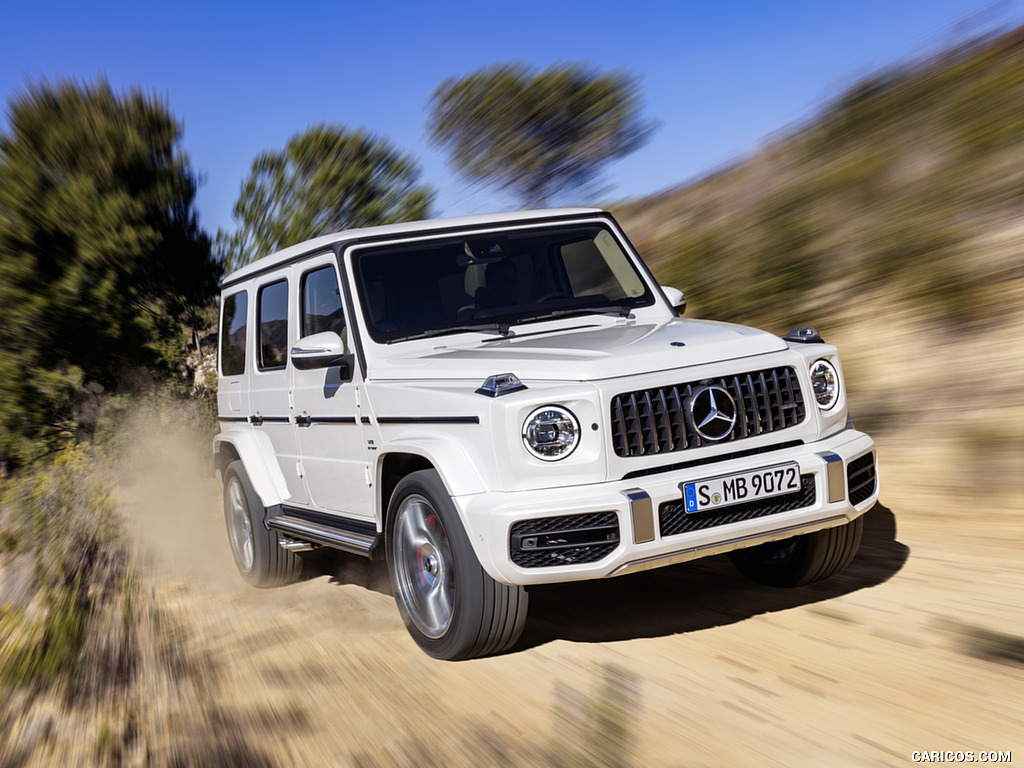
pixel 260 559
pixel 802 559
pixel 449 604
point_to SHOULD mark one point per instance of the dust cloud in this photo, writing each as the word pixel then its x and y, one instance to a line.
pixel 170 497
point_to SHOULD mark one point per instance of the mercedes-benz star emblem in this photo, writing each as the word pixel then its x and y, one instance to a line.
pixel 712 412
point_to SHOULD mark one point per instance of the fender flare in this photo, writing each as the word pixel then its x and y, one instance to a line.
pixel 447 455
pixel 256 453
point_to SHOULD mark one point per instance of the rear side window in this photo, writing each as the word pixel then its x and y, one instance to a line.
pixel 232 334
pixel 272 307
pixel 321 303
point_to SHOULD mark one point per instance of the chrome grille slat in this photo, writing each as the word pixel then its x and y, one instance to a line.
pixel 618 426
pixel 790 392
pixel 751 400
pixel 741 410
pixel 664 423
pixel 650 429
pixel 653 420
pixel 678 422
pixel 770 426
pixel 636 445
pixel 777 392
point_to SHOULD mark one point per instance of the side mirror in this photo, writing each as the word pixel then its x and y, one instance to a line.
pixel 320 350
pixel 675 298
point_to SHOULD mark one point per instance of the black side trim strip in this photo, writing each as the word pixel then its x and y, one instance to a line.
pixel 300 420
pixel 428 419
pixel 258 420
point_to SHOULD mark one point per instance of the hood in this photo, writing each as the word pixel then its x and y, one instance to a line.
pixel 583 351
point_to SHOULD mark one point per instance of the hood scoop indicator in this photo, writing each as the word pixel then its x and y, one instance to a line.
pixel 501 384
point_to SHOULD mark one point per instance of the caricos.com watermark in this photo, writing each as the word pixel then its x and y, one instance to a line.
pixel 959 756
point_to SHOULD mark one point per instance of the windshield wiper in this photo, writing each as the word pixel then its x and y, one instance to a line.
pixel 502 328
pixel 622 310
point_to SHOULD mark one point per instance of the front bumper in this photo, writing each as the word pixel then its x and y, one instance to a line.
pixel 637 503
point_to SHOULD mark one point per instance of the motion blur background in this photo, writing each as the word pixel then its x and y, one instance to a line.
pixel 858 167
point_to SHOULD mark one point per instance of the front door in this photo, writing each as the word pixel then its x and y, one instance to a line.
pixel 326 412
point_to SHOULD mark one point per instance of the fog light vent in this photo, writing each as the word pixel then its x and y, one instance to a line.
pixel 563 540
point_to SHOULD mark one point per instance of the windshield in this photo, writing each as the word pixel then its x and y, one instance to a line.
pixel 490 281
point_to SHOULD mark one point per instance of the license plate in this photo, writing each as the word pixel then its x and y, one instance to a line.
pixel 740 487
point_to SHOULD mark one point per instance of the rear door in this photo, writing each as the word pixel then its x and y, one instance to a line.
pixel 270 380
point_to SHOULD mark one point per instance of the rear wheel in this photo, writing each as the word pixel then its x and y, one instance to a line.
pixel 801 559
pixel 451 607
pixel 260 559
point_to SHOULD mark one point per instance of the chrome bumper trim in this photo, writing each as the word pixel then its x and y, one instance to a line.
pixel 693 553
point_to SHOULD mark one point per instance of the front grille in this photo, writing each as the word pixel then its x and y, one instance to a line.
pixel 860 478
pixel 563 540
pixel 651 421
pixel 673 519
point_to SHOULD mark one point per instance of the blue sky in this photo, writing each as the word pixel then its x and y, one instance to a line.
pixel 244 77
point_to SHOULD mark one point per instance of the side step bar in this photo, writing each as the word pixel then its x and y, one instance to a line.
pixel 354 536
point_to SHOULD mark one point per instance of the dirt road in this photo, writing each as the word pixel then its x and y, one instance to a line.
pixel 910 649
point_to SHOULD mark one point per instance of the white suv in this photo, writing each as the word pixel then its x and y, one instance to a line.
pixel 497 401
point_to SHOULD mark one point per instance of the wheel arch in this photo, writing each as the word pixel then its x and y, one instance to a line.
pixel 256 453
pixel 449 459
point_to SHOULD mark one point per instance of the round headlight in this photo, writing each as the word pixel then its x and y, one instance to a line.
pixel 551 433
pixel 825 380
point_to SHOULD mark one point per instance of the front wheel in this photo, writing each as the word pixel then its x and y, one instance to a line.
pixel 802 559
pixel 449 604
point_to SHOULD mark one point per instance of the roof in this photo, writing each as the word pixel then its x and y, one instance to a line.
pixel 389 230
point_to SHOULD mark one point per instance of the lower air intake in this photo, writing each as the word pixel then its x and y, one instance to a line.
pixel 860 478
pixel 674 520
pixel 563 540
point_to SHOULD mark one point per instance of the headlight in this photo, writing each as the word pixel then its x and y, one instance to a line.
pixel 551 433
pixel 825 380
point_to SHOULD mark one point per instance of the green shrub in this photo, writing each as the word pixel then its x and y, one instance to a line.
pixel 62 518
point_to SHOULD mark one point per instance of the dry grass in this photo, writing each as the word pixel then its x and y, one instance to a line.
pixel 92 670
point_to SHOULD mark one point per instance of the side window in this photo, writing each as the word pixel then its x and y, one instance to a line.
pixel 321 303
pixel 272 308
pixel 232 334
